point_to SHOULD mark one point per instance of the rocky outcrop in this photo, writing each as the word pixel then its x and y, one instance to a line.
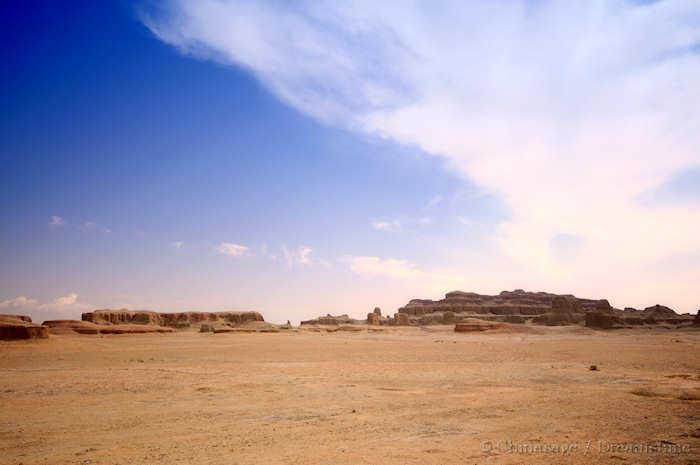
pixel 87 327
pixel 375 317
pixel 599 320
pixel 516 306
pixel 171 320
pixel 540 308
pixel 186 319
pixel 696 320
pixel 475 325
pixel 21 327
pixel 72 326
pixel 401 319
pixel 331 320
pixel 122 316
pixel 517 302
pixel 659 312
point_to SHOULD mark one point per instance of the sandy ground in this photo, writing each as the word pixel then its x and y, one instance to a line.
pixel 407 396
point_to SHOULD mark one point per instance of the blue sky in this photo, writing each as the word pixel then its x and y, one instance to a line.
pixel 186 156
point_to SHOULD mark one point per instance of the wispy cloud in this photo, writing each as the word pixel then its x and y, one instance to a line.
pixel 387 267
pixel 426 220
pixel 385 225
pixel 57 221
pixel 299 256
pixel 567 111
pixel 403 270
pixel 91 226
pixel 17 303
pixel 180 244
pixel 232 250
pixel 466 221
pixel 434 200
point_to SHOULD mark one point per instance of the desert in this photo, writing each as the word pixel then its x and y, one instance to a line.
pixel 264 232
pixel 349 391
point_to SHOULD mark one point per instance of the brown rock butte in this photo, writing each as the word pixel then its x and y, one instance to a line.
pixel 541 308
pixel 332 320
pixel 172 320
pixel 517 302
pixel 21 327
pixel 86 327
pixel 474 324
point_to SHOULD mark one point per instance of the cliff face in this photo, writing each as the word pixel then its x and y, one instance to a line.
pixel 517 302
pixel 172 320
pixel 21 327
pixel 542 308
pixel 331 320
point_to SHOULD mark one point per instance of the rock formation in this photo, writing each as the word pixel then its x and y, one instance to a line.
pixel 541 308
pixel 172 320
pixel 401 319
pixel 332 320
pixel 125 321
pixel 599 320
pixel 375 317
pixel 474 324
pixel 87 327
pixel 21 327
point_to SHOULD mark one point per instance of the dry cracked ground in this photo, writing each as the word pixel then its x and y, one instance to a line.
pixel 403 396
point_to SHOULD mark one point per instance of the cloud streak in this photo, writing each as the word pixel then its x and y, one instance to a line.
pixel 232 250
pixel 385 225
pixel 568 111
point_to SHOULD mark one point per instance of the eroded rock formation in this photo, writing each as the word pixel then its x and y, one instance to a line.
pixel 21 327
pixel 474 324
pixel 540 308
pixel 375 317
pixel 171 320
pixel 332 320
pixel 87 327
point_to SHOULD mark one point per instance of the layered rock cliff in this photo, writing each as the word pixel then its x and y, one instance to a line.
pixel 21 327
pixel 171 320
pixel 542 308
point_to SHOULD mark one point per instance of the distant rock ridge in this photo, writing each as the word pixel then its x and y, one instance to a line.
pixel 171 320
pixel 517 302
pixel 332 320
pixel 541 308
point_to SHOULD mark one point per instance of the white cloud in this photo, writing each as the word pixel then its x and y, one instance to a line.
pixel 57 221
pixel 466 221
pixel 389 267
pixel 232 250
pixel 566 110
pixel 90 226
pixel 63 307
pixel 384 225
pixel 17 302
pixel 300 256
pixel 180 244
pixel 425 220
pixel 65 301
pixel 434 200
pixel 404 270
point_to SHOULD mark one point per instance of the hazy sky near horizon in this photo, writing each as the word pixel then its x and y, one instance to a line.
pixel 324 157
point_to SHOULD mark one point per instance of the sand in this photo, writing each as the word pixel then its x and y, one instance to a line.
pixel 404 396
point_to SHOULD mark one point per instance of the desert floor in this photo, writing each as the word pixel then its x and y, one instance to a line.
pixel 403 396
